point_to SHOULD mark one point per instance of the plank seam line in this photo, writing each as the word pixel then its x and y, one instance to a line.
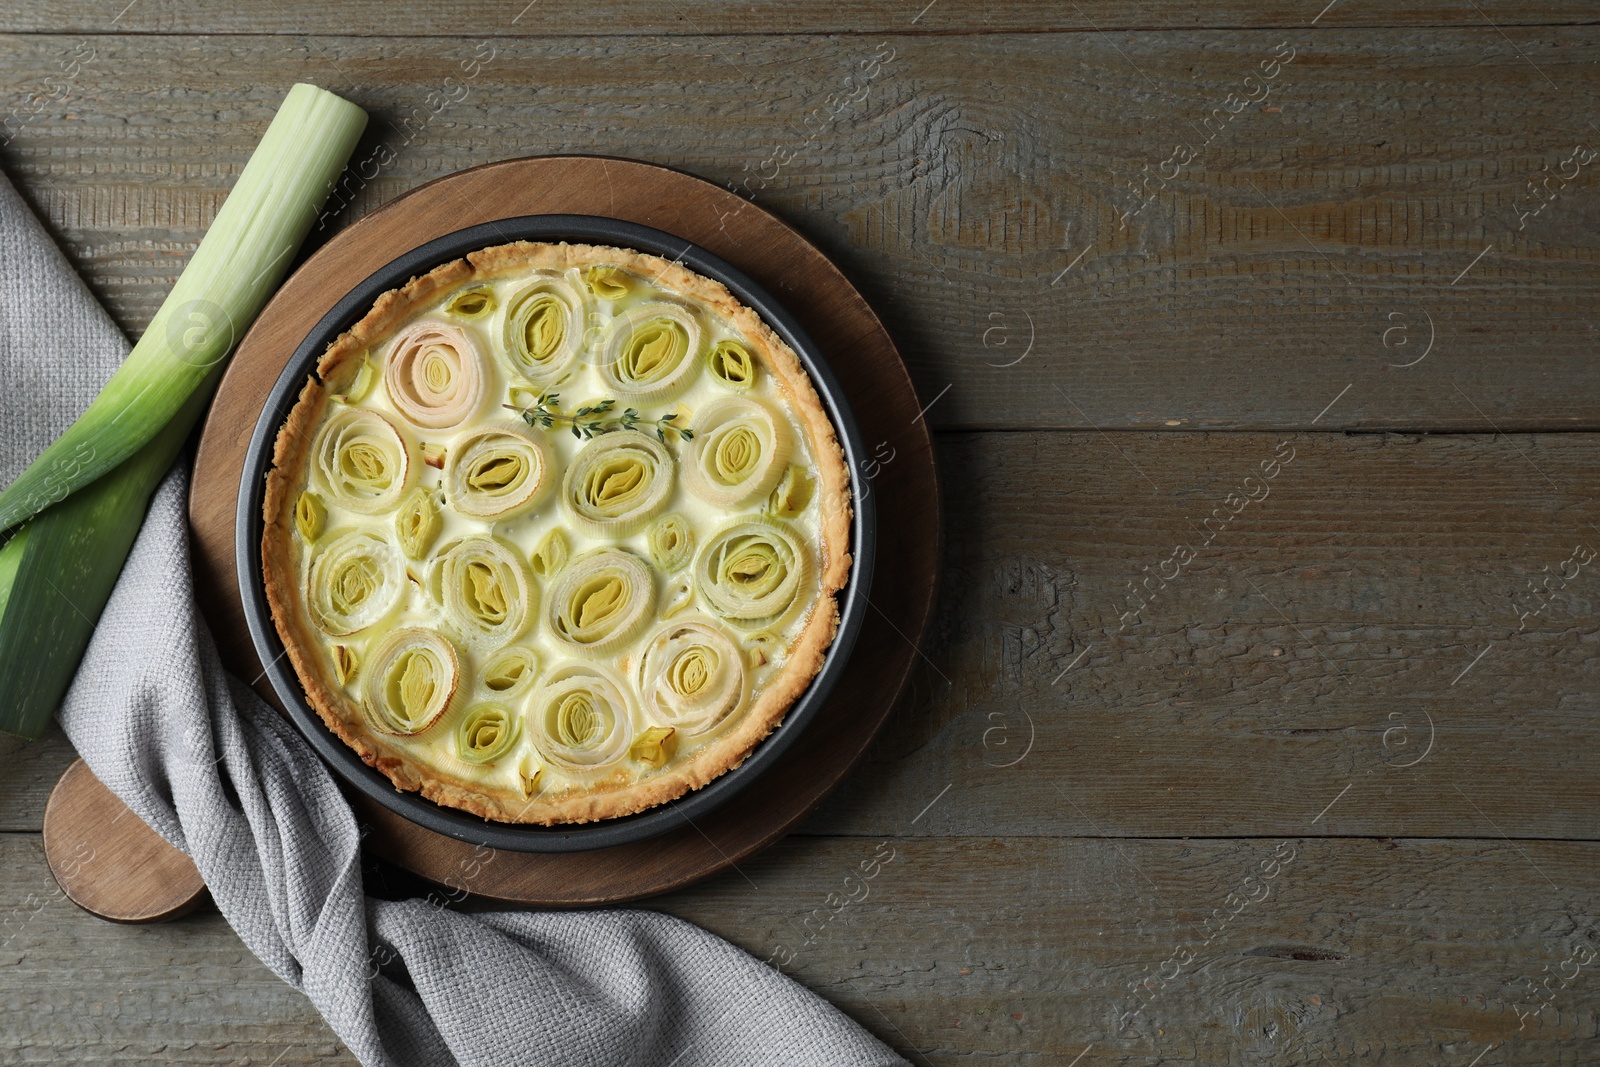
pixel 1398 27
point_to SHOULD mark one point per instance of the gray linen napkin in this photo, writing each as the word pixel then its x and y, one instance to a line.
pixel 198 756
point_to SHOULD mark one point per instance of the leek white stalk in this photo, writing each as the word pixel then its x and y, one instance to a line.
pixel 236 268
pixel 57 572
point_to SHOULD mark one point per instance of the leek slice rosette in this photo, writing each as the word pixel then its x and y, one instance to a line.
pixel 412 679
pixel 435 375
pixel 309 516
pixel 544 330
pixel 616 483
pixel 497 471
pixel 739 452
pixel 671 542
pixel 692 677
pixel 511 670
pixel 751 573
pixel 579 719
pixel 552 554
pixel 418 522
pixel 653 747
pixel 488 594
pixel 793 493
pixel 731 364
pixel 485 732
pixel 364 460
pixel 651 351
pixel 472 303
pixel 608 283
pixel 601 601
pixel 354 581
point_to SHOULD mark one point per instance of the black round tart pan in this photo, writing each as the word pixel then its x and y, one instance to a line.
pixel 586 229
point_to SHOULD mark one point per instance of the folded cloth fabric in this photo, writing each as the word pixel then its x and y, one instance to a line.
pixel 197 755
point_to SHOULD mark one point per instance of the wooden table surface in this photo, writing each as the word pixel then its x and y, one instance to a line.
pixel 1259 721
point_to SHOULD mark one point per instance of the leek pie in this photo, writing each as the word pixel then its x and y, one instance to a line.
pixel 555 533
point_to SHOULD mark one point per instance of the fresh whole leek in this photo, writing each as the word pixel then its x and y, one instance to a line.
pixel 236 268
pixel 57 573
pixel 85 497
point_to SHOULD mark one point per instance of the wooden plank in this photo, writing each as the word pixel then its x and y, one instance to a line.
pixel 1305 649
pixel 1394 562
pixel 1396 952
pixel 510 18
pixel 76 989
pixel 1031 950
pixel 32 769
pixel 981 191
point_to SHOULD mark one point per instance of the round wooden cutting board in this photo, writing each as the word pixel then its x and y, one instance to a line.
pixel 879 389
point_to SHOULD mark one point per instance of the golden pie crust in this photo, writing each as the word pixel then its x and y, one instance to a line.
pixel 624 791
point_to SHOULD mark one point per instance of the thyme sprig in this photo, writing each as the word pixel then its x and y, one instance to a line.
pixel 594 419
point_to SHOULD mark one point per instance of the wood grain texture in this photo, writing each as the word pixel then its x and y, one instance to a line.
pixel 1395 561
pixel 110 863
pixel 874 383
pixel 1308 646
pixel 77 990
pixel 32 769
pixel 1289 262
pixel 1346 212
pixel 549 18
pixel 1014 950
